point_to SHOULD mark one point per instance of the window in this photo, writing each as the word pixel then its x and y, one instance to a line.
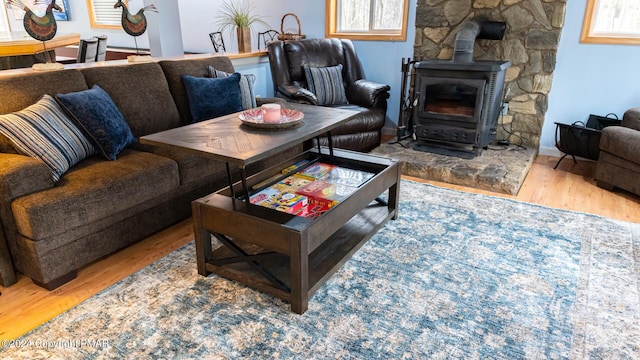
pixel 4 21
pixel 103 15
pixel 367 19
pixel 611 22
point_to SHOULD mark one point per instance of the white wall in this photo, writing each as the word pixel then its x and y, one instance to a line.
pixel 589 79
pixel 380 59
pixel 164 31
pixel 199 19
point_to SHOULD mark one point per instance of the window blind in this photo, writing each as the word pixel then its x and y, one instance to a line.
pixel 102 13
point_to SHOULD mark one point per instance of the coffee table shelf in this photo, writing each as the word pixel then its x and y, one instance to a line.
pixel 301 253
pixel 282 254
pixel 323 262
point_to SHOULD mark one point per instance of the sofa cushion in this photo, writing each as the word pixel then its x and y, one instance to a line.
pixel 631 118
pixel 45 132
pixel 622 142
pixel 621 173
pixel 6 146
pixel 368 119
pixel 193 168
pixel 93 190
pixel 18 92
pixel 326 83
pixel 362 142
pixel 100 118
pixel 198 67
pixel 316 53
pixel 211 97
pixel 247 83
pixel 141 93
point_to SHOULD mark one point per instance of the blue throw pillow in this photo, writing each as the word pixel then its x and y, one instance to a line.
pixel 247 83
pixel 44 131
pixel 210 97
pixel 98 115
pixel 326 83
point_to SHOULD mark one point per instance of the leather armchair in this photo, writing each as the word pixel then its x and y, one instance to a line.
pixel 287 58
pixel 619 161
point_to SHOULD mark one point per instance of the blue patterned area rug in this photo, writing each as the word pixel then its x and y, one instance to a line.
pixel 458 275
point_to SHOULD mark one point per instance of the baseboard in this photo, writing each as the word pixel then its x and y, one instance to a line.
pixel 392 131
pixel 550 151
pixel 554 152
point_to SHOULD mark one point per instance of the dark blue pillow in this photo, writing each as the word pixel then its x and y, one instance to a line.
pixel 100 118
pixel 212 97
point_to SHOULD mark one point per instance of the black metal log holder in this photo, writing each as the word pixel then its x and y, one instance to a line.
pixel 407 102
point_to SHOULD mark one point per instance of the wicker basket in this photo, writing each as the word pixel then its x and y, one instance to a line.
pixel 290 36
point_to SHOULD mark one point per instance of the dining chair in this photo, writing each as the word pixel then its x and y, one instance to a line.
pixel 217 41
pixel 264 38
pixel 101 54
pixel 87 50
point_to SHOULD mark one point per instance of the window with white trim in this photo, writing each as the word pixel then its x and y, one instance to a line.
pixel 4 20
pixel 367 19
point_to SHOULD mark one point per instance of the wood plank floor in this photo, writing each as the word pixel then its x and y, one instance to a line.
pixel 25 306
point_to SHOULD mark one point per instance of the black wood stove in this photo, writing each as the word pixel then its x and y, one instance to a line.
pixel 459 100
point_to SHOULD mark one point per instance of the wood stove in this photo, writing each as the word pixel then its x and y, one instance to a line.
pixel 458 104
pixel 459 100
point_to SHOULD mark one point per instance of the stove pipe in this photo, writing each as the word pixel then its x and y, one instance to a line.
pixel 469 31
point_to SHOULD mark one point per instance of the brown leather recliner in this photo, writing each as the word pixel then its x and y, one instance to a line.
pixel 287 59
pixel 619 163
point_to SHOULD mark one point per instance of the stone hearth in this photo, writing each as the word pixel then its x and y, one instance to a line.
pixel 530 44
pixel 498 169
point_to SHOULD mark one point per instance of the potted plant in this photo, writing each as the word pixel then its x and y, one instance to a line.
pixel 237 15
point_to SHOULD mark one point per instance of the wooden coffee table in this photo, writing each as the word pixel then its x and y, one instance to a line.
pixel 281 254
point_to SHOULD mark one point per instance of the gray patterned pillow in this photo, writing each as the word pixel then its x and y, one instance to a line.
pixel 326 83
pixel 45 132
pixel 247 82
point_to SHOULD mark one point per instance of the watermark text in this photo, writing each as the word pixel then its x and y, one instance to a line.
pixel 55 344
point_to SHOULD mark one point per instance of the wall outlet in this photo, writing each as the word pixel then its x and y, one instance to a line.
pixel 505 108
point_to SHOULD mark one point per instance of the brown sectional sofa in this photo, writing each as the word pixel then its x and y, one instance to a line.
pixel 619 164
pixel 49 230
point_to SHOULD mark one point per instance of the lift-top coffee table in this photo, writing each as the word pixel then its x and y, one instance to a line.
pixel 282 254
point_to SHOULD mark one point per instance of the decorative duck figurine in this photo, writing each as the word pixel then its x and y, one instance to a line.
pixel 134 24
pixel 43 27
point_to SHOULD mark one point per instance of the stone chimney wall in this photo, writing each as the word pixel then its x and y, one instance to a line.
pixel 530 43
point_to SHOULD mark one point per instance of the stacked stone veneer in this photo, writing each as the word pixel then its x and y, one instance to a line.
pixel 530 43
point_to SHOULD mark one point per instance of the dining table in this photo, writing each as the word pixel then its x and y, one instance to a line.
pixel 19 50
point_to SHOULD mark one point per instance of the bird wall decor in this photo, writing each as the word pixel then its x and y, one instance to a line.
pixel 134 24
pixel 41 27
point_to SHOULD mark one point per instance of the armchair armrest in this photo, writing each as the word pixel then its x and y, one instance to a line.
pixel 621 141
pixel 19 175
pixel 368 94
pixel 298 94
pixel 631 118
pixel 7 274
pixel 22 175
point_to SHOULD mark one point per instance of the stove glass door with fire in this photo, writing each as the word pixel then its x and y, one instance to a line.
pixel 450 109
